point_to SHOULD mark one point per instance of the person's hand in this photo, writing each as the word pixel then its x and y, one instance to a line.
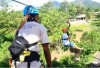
pixel 68 38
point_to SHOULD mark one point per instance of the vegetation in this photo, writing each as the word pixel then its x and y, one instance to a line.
pixel 53 19
pixel 88 3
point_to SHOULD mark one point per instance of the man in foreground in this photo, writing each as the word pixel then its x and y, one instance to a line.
pixel 33 32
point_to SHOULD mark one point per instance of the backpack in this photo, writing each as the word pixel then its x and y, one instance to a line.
pixel 18 46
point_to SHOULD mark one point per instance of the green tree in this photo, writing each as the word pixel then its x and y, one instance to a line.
pixel 63 6
pixel 9 21
pixel 80 9
pixel 89 13
pixel 97 10
pixel 71 8
pixel 98 16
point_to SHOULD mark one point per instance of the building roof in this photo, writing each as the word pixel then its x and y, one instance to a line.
pixel 96 13
pixel 81 16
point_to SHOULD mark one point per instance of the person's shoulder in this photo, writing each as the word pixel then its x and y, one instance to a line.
pixel 64 34
pixel 41 26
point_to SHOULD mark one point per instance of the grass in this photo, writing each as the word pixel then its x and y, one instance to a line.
pixel 80 28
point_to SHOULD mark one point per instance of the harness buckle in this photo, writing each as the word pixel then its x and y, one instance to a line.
pixel 23 55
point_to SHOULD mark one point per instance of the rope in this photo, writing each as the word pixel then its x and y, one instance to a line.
pixel 19 2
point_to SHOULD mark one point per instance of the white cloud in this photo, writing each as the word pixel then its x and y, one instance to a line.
pixel 96 1
pixel 36 3
pixel 17 6
pixel 64 0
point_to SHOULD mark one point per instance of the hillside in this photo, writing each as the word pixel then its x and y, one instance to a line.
pixel 86 3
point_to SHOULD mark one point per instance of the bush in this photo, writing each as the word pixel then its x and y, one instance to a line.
pixel 55 63
pixel 70 62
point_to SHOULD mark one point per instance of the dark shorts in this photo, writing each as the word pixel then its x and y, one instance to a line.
pixel 75 50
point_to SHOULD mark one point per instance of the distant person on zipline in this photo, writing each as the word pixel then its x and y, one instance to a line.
pixel 66 41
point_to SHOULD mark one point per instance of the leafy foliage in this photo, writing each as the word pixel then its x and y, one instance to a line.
pixel 98 16
pixel 9 21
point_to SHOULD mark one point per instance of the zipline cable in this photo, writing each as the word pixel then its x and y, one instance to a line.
pixel 19 2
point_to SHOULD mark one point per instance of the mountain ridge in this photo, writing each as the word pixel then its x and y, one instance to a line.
pixel 86 3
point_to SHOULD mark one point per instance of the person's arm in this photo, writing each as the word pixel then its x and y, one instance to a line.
pixel 69 36
pixel 47 54
pixel 45 42
pixel 68 25
pixel 24 21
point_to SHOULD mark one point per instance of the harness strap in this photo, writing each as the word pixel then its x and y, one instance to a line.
pixel 15 64
pixel 20 28
pixel 28 65
pixel 32 44
pixel 64 39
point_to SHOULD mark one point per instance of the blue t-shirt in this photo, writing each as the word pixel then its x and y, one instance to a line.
pixel 64 39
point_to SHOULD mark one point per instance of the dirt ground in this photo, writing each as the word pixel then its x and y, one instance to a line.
pixel 58 55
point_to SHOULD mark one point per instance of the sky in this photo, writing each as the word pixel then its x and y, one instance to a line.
pixel 37 3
